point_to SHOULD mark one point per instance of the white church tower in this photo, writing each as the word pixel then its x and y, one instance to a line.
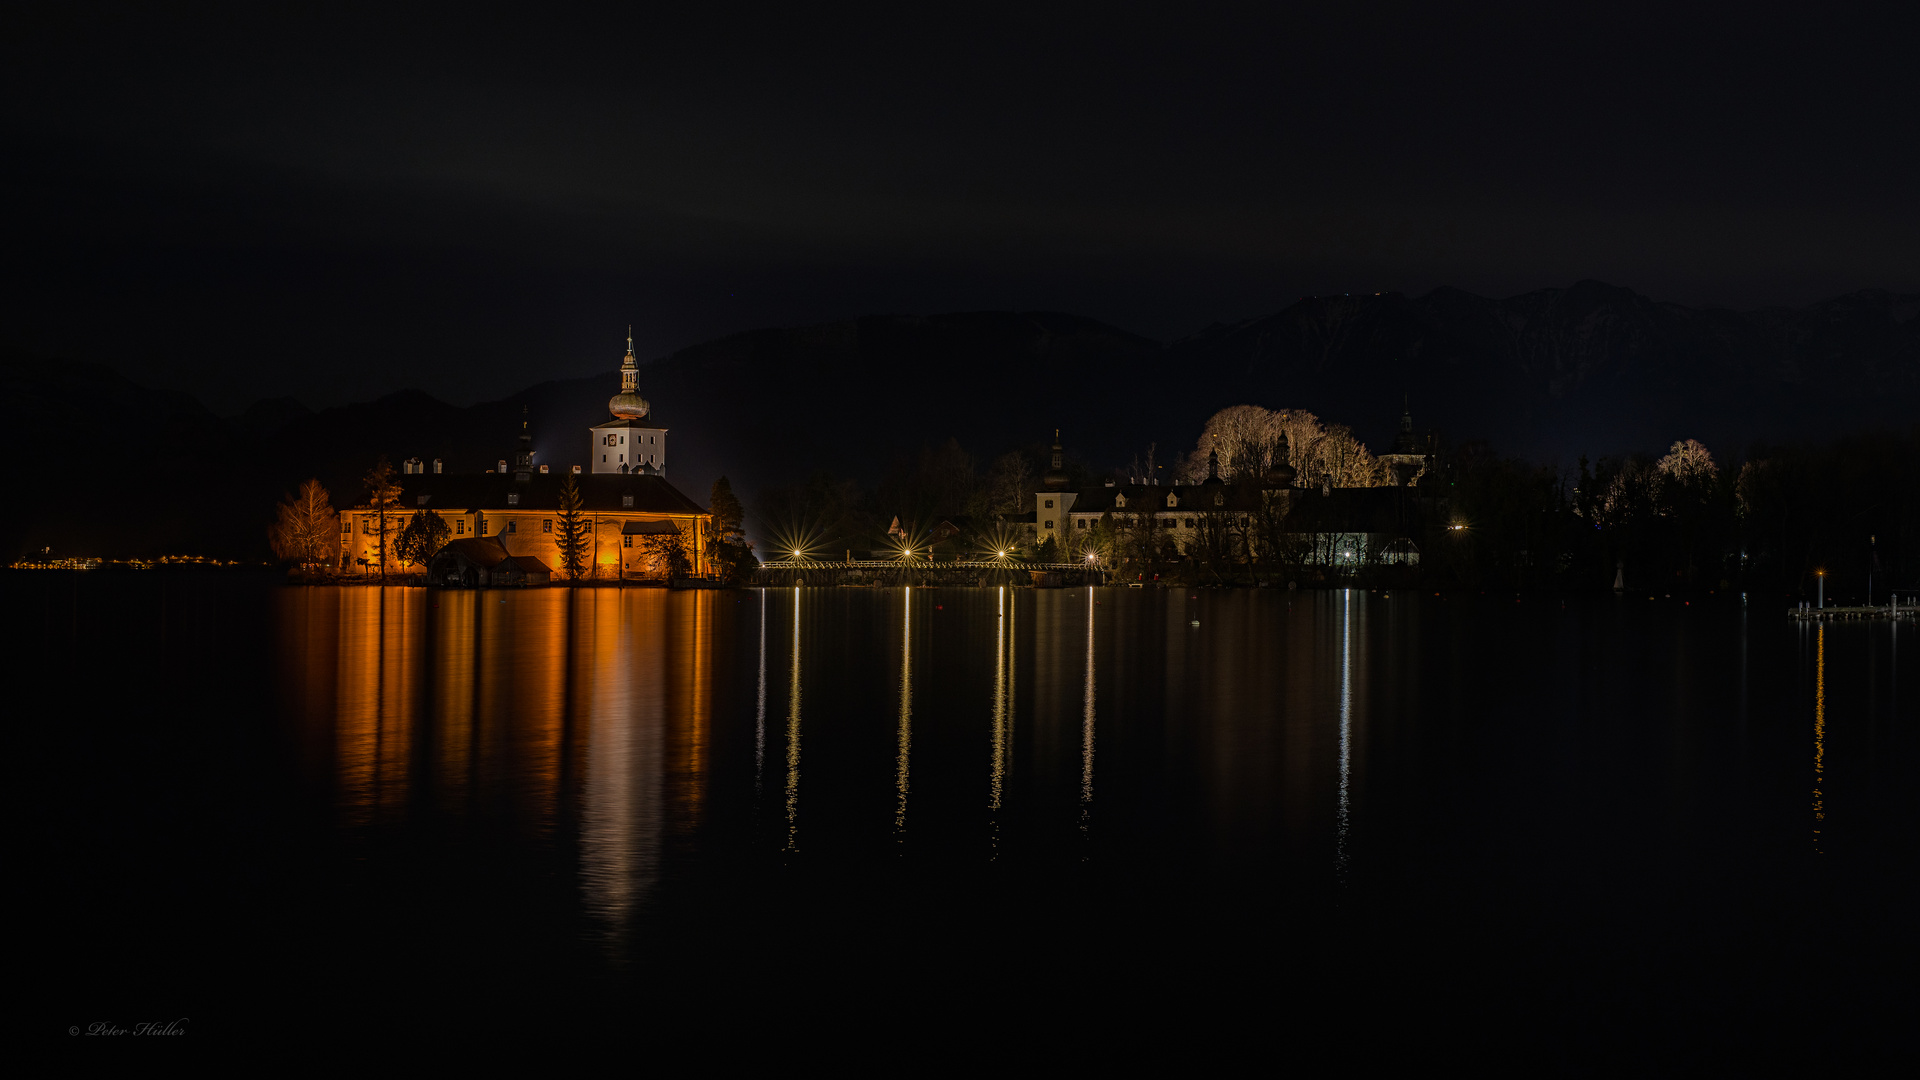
pixel 629 443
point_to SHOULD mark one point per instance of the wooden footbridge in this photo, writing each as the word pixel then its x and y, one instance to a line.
pixel 1895 610
pixel 896 572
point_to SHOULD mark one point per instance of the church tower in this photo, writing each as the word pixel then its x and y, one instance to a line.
pixel 630 441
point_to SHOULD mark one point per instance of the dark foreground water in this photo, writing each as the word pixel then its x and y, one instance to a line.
pixel 1340 823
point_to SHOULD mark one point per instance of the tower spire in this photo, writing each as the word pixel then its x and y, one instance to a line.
pixel 628 404
pixel 1056 475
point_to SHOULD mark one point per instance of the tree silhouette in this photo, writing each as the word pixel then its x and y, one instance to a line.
pixel 381 492
pixel 426 533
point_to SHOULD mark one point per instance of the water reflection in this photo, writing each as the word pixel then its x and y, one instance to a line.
pixel 1346 731
pixel 459 705
pixel 1086 728
pixel 904 739
pixel 1003 676
pixel 375 701
pixel 760 704
pixel 589 717
pixel 1819 730
pixel 793 732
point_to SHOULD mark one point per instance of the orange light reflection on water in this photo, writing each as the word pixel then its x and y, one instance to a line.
pixel 1819 731
pixel 538 704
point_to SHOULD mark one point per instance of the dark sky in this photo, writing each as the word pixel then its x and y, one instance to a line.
pixel 247 201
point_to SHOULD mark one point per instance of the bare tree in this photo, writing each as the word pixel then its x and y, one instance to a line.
pixel 1344 460
pixel 1010 485
pixel 1689 463
pixel 307 530
pixel 1244 437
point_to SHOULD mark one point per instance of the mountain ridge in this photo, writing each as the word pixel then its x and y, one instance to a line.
pixel 1548 375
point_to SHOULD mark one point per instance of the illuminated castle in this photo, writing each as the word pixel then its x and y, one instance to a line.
pixel 502 522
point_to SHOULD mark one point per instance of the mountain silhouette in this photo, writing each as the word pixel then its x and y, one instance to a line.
pixel 1546 375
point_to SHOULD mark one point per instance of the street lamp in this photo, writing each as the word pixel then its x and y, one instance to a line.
pixel 1821 577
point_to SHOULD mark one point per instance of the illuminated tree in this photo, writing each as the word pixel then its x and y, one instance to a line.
pixel 1344 460
pixel 572 538
pixel 1688 466
pixel 667 551
pixel 381 493
pixel 307 530
pixel 1687 481
pixel 1244 437
pixel 426 533
pixel 1247 439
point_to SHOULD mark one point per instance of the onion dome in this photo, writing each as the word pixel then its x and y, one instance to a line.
pixel 1213 468
pixel 1056 474
pixel 1281 474
pixel 1406 442
pixel 628 404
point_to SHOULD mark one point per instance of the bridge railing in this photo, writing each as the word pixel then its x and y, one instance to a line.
pixel 918 564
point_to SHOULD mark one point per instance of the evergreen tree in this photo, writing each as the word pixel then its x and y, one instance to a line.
pixel 728 552
pixel 572 537
pixel 426 533
pixel 381 492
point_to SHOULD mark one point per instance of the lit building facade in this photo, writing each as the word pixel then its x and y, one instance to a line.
pixel 519 506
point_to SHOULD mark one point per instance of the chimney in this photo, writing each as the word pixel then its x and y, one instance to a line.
pixel 576 470
pixel 543 468
pixel 503 464
pixel 436 466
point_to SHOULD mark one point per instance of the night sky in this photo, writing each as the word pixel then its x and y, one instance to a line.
pixel 247 201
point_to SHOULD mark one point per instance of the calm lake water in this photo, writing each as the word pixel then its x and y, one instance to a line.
pixel 1583 826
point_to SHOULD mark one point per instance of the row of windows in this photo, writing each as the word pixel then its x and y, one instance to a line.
pixel 370 526
pixel 619 440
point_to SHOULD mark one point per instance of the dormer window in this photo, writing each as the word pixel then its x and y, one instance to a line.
pixel 1120 501
pixel 626 501
pixel 1173 500
pixel 1219 501
pixel 513 498
pixel 421 500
